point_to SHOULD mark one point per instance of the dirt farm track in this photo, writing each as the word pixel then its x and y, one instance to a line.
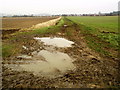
pixel 55 57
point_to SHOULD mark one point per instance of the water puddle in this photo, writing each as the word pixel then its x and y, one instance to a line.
pixel 24 57
pixel 57 42
pixel 55 64
pixel 46 63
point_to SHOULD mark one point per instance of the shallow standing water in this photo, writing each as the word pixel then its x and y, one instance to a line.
pixel 58 42
pixel 55 64
pixel 48 62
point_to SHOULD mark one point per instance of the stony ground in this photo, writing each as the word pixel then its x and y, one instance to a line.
pixel 92 70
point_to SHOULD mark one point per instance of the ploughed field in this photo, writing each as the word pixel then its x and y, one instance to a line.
pixel 22 22
pixel 14 24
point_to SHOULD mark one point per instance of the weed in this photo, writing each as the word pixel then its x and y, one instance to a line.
pixel 7 50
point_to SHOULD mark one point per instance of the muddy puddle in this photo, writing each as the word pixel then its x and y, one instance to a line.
pixel 53 65
pixel 55 41
pixel 24 57
pixel 47 62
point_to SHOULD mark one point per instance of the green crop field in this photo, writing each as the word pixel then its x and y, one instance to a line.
pixel 102 23
pixel 101 32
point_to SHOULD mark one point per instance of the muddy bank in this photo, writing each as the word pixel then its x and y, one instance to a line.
pixel 8 31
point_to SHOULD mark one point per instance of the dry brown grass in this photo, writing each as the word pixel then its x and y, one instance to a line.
pixel 22 22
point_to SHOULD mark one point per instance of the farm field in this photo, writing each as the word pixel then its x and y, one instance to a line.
pixel 69 54
pixel 102 23
pixel 14 24
pixel 100 32
pixel 22 22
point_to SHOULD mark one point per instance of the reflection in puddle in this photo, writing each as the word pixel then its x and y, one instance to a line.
pixel 56 64
pixel 59 42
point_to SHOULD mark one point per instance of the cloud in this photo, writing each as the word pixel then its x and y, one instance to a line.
pixel 57 6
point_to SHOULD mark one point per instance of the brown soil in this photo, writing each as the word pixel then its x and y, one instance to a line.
pixel 22 22
pixel 92 70
pixel 13 24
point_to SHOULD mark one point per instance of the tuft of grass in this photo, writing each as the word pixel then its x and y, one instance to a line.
pixel 7 50
pixel 96 46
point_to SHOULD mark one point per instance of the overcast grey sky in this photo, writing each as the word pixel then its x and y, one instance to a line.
pixel 57 6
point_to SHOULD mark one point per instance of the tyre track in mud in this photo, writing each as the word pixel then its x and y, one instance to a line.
pixel 92 70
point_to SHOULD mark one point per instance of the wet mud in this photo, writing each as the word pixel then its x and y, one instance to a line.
pixel 46 63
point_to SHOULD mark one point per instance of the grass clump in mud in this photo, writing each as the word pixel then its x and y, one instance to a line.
pixel 95 46
pixel 105 44
pixel 7 50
